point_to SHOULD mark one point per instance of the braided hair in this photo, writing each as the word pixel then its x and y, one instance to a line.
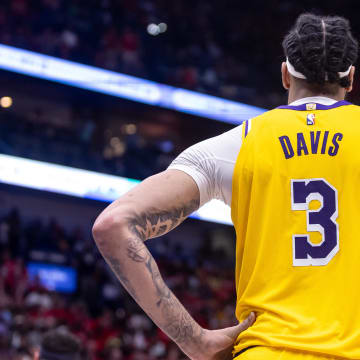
pixel 319 48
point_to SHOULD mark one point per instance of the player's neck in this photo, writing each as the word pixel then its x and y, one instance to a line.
pixel 301 93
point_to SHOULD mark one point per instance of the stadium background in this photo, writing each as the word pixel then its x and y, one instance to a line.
pixel 229 49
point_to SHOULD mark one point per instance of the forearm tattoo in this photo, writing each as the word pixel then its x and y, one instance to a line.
pixel 176 321
pixel 119 270
pixel 156 222
pixel 178 324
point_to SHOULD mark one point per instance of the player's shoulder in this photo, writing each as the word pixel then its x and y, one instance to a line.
pixel 265 119
pixel 352 107
pixel 270 115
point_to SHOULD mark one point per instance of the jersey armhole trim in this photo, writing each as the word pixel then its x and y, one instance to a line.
pixel 246 128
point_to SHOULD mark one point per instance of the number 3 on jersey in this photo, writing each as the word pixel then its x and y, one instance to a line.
pixel 322 220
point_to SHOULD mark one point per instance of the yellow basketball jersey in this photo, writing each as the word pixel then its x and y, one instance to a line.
pixel 296 211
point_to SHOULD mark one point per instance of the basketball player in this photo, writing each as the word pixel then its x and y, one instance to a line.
pixel 291 178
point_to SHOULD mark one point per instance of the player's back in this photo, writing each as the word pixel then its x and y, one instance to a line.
pixel 295 207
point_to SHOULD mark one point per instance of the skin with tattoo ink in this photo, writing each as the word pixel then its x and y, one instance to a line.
pixel 152 209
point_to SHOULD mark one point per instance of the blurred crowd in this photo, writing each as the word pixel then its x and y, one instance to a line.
pixel 113 35
pixel 229 49
pixel 219 51
pixel 107 321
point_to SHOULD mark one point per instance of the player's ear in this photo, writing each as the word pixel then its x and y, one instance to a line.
pixel 285 76
pixel 351 77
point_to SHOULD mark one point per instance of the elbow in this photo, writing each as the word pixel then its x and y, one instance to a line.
pixel 107 229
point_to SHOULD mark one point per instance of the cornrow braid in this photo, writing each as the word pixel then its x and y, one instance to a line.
pixel 320 48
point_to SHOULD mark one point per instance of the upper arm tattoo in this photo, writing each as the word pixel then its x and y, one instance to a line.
pixel 155 222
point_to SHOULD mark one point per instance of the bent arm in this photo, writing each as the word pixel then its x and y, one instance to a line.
pixel 151 209
pixel 156 206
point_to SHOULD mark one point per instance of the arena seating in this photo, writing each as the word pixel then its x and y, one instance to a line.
pixel 109 323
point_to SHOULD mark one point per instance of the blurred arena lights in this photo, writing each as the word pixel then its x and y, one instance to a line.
pixel 118 146
pixel 6 101
pixel 130 129
pixel 86 184
pixel 114 141
pixel 124 86
pixel 163 27
pixel 155 30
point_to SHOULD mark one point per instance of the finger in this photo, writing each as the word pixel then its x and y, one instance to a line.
pixel 234 331
pixel 248 321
